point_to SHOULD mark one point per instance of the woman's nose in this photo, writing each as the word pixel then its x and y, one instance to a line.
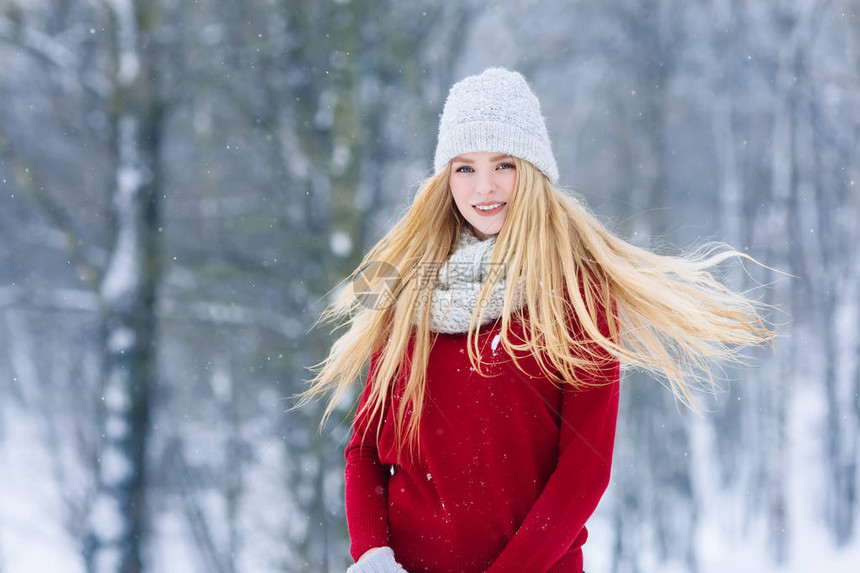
pixel 485 183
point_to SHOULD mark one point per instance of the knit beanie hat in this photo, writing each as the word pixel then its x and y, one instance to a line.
pixel 494 111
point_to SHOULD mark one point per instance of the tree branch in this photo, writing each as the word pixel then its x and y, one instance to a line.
pixel 215 313
pixel 27 181
pixel 47 50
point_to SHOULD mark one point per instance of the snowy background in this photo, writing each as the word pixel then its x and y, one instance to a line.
pixel 182 183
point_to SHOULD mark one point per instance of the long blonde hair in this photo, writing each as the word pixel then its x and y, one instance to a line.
pixel 670 315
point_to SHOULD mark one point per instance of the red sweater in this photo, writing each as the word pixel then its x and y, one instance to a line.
pixel 509 471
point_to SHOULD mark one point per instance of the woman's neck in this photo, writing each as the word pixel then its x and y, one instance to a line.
pixel 478 234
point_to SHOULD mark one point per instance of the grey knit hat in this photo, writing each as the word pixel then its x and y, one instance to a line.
pixel 494 111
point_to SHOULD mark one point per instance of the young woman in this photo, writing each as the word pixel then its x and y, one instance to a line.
pixel 495 316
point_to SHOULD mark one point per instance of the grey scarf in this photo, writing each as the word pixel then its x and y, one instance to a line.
pixel 459 282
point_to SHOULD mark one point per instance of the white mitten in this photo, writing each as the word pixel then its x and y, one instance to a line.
pixel 379 561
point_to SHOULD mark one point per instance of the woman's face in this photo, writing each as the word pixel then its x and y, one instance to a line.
pixel 483 179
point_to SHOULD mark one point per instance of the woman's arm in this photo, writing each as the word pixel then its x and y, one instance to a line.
pixel 366 483
pixel 570 496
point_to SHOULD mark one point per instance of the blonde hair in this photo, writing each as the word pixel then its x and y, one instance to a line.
pixel 669 315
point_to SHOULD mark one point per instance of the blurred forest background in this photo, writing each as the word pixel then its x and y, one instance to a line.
pixel 182 183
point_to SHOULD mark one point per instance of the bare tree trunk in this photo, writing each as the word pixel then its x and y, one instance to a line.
pixel 119 522
pixel 730 28
pixel 774 395
pixel 650 411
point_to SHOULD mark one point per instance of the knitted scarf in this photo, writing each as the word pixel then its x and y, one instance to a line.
pixel 459 282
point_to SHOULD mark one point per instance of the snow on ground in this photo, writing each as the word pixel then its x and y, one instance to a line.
pixel 32 538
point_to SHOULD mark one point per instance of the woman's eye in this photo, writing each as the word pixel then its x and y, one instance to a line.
pixel 468 169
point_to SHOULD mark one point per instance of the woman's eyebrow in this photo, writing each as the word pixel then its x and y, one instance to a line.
pixel 494 158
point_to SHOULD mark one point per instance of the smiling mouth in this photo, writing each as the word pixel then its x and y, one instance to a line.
pixel 489 206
